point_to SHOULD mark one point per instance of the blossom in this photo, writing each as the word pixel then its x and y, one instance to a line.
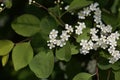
pixel 53 34
pixel 68 28
pixel 93 6
pixel 79 28
pixel 81 15
pixel 64 36
pixel 66 7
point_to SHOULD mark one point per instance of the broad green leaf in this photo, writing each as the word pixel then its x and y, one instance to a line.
pixel 22 54
pixel 116 65
pixel 26 25
pixel 8 3
pixel 114 6
pixel 82 76
pixel 5 60
pixel 117 75
pixel 46 25
pixel 42 64
pixel 103 64
pixel 5 47
pixel 108 19
pixel 84 35
pixel 64 53
pixel 77 4
pixel 74 49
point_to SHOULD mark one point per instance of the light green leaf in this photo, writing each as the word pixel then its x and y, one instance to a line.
pixel 5 47
pixel 8 3
pixel 64 53
pixel 26 25
pixel 22 54
pixel 5 60
pixel 84 35
pixel 82 76
pixel 42 64
pixel 77 4
pixel 117 75
pixel 74 49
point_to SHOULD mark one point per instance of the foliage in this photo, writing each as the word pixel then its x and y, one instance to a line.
pixel 29 51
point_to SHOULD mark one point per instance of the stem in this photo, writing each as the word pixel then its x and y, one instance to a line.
pixel 58 19
pixel 97 74
pixel 108 76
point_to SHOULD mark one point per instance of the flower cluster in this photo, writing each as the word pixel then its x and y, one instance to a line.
pixel 101 36
pixel 59 41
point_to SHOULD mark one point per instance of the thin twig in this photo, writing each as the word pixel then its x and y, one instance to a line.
pixel 108 76
pixel 97 73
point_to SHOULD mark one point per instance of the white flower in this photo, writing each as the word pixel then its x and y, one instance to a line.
pixel 94 38
pixel 66 7
pixel 64 36
pixel 51 45
pixel 81 15
pixel 53 34
pixel 79 28
pixel 68 28
pixel 93 31
pixel 86 11
pixel 84 51
pixel 112 60
pixel 60 43
pixel 95 46
pixel 111 49
pixel 93 6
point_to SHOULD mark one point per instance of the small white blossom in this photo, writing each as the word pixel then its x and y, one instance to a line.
pixel 112 60
pixel 81 15
pixel 53 34
pixel 68 28
pixel 94 38
pixel 87 11
pixel 94 6
pixel 64 36
pixel 66 7
pixel 93 31
pixel 51 45
pixel 79 28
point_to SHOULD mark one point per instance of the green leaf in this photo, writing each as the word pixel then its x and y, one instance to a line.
pixel 46 25
pixel 26 25
pixel 82 76
pixel 42 64
pixel 8 3
pixel 5 47
pixel 5 60
pixel 104 64
pixel 22 54
pixel 84 35
pixel 116 65
pixel 77 4
pixel 64 53
pixel 74 49
pixel 108 19
pixel 117 75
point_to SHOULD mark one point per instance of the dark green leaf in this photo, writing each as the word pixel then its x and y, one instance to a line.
pixel 26 25
pixel 82 76
pixel 46 25
pixel 77 4
pixel 22 54
pixel 42 64
pixel 5 47
pixel 64 53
